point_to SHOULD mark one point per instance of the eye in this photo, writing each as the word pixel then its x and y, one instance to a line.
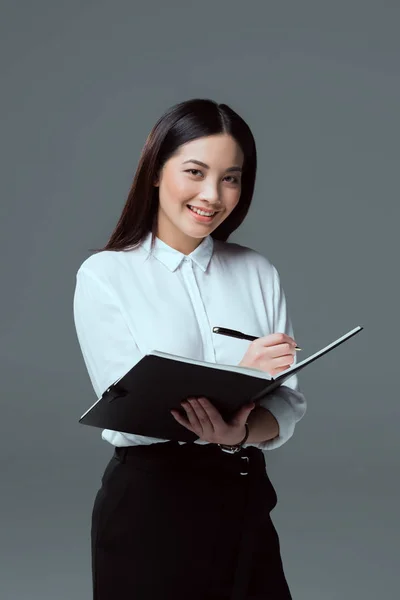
pixel 193 171
pixel 235 180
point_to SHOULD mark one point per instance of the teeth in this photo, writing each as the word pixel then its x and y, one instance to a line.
pixel 201 212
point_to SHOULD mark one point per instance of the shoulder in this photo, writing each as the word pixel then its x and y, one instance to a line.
pixel 238 255
pixel 108 265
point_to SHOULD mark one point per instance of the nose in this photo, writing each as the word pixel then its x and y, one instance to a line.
pixel 209 193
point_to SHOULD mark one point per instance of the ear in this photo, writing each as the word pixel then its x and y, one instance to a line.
pixel 156 181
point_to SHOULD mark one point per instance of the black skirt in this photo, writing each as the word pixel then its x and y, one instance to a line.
pixel 186 522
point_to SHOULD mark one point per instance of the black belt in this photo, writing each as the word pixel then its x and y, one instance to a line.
pixel 191 455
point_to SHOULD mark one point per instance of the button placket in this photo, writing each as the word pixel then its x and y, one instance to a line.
pixel 200 310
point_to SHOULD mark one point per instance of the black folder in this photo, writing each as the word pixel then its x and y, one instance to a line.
pixel 140 402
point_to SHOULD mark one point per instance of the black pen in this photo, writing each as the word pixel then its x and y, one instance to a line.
pixel 238 334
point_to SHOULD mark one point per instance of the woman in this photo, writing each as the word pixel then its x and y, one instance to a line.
pixel 176 520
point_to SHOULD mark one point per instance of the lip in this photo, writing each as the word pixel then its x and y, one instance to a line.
pixel 203 208
pixel 200 218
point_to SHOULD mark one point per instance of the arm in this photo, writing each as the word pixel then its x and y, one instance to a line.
pixel 107 345
pixel 262 426
pixel 275 419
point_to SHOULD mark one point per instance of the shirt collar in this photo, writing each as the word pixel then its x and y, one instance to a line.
pixel 172 258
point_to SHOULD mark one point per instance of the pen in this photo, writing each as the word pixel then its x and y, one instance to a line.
pixel 238 334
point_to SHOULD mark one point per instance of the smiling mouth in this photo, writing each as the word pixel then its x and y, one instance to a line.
pixel 201 212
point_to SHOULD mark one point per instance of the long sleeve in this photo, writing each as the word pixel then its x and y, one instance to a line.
pixel 126 305
pixel 108 347
pixel 287 403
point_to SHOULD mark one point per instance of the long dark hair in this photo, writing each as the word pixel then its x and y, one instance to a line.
pixel 180 124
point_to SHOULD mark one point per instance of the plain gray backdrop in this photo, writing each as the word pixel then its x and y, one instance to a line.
pixel 318 82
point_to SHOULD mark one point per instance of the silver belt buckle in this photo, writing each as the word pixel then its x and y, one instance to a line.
pixel 230 449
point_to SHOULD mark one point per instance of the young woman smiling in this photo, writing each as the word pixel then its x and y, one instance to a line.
pixel 174 520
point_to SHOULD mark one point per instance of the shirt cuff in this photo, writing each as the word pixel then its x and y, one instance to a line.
pixel 288 407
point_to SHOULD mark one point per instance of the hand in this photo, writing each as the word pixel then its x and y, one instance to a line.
pixel 206 422
pixel 272 353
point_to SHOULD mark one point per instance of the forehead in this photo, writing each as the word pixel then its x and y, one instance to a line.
pixel 216 150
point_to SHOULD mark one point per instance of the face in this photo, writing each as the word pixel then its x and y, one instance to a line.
pixel 203 174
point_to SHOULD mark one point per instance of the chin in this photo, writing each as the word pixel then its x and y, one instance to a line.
pixel 197 235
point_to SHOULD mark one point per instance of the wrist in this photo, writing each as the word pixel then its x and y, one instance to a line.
pixel 232 449
pixel 263 426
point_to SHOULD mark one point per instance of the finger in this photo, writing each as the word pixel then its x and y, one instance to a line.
pixel 212 413
pixel 277 350
pixel 243 414
pixel 181 420
pixel 282 361
pixel 280 369
pixel 192 416
pixel 274 339
pixel 202 415
pixel 276 365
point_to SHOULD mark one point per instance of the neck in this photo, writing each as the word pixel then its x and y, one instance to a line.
pixel 185 244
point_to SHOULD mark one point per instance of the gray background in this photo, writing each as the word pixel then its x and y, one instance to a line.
pixel 82 84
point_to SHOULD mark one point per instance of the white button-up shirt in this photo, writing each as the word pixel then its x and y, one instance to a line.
pixel 128 303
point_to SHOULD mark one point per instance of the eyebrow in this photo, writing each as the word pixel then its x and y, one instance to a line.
pixel 198 162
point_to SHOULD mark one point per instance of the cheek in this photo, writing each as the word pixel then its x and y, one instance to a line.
pixel 177 190
pixel 232 200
